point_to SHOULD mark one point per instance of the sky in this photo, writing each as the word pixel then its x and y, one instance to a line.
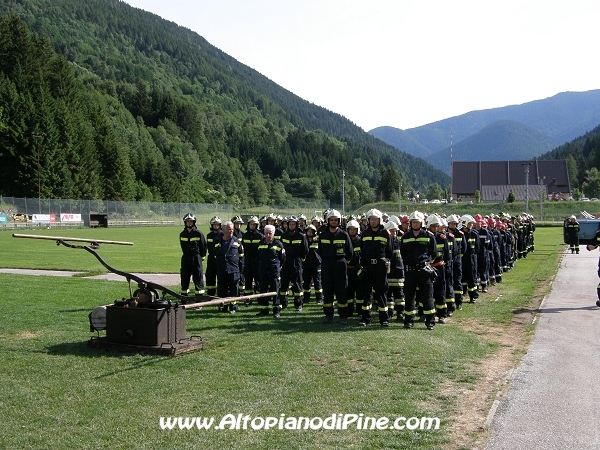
pixel 403 63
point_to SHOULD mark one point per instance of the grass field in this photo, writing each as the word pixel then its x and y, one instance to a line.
pixel 55 392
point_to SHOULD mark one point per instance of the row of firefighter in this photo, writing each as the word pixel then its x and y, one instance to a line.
pixel 409 269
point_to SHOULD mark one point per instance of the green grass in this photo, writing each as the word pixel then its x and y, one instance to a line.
pixel 55 392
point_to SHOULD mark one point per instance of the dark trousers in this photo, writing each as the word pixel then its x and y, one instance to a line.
pixel 312 275
pixel 269 283
pixel 251 276
pixel 335 282
pixel 375 284
pixel 228 286
pixel 420 279
pixel 291 275
pixel 211 276
pixel 191 266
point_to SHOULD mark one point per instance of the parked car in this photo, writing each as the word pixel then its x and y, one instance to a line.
pixel 436 201
pixel 424 201
pixel 585 199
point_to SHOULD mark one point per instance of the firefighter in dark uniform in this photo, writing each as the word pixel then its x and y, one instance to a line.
pixel 296 249
pixel 193 247
pixel 212 238
pixel 485 248
pixel 496 266
pixel 376 253
pixel 271 256
pixel 395 278
pixel 272 220
pixel 448 268
pixel 336 252
pixel 237 227
pixel 593 245
pixel 460 244
pixel 469 262
pixel 354 292
pixel 229 254
pixel 418 248
pixel 572 229
pixel 311 267
pixel 439 263
pixel 250 240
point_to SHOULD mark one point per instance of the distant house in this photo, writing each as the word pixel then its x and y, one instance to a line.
pixel 495 179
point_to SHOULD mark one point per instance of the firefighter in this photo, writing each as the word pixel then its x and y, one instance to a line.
pixel 237 227
pixel 272 220
pixel 296 249
pixel 302 223
pixel 395 278
pixel 593 245
pixel 193 247
pixel 354 292
pixel 449 268
pixel 336 251
pixel 485 248
pixel 212 238
pixel 469 262
pixel 311 268
pixel 496 256
pixel 572 229
pixel 418 248
pixel 460 244
pixel 442 258
pixel 250 240
pixel 229 255
pixel 271 256
pixel 376 253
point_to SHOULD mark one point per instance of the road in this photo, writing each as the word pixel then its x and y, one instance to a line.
pixel 554 398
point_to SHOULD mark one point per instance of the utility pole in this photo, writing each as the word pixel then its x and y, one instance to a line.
pixel 343 192
pixel 37 137
pixel 400 198
pixel 526 167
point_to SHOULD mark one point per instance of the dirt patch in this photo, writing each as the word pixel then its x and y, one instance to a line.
pixel 468 426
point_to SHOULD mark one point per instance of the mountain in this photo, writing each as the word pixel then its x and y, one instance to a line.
pixel 505 140
pixel 165 116
pixel 562 117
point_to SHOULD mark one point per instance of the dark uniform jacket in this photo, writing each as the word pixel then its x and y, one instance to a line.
pixel 313 259
pixel 192 242
pixel 271 257
pixel 335 246
pixel 418 250
pixel 375 246
pixel 296 248
pixel 229 256
pixel 251 241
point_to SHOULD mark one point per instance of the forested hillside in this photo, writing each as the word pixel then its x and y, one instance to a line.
pixel 583 160
pixel 102 100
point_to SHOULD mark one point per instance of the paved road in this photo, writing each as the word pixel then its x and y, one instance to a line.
pixel 164 279
pixel 554 398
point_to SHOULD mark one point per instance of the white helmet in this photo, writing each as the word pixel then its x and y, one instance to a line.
pixel 394 219
pixel 454 218
pixel 334 214
pixel 374 213
pixel 433 220
pixel 353 224
pixel 391 226
pixel 418 216
pixel 573 217
pixel 467 219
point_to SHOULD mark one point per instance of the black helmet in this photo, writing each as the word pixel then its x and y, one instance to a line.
pixel 189 216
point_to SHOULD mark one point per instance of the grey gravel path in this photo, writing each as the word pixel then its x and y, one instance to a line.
pixel 554 398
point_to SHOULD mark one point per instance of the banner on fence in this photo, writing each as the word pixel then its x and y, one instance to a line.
pixel 70 217
pixel 43 218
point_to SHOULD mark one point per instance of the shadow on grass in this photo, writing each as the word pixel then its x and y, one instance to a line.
pixel 291 321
